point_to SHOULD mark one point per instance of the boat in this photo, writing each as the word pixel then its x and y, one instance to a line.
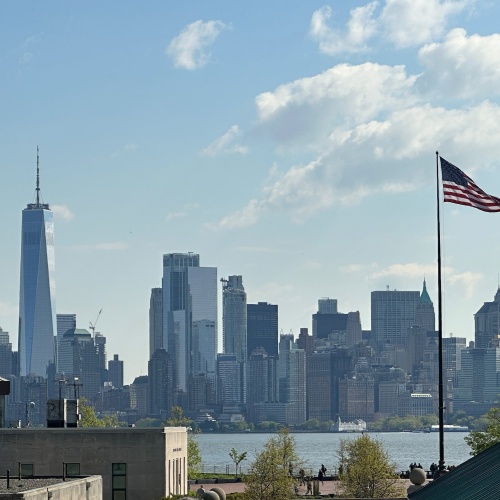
pixel 450 428
pixel 355 426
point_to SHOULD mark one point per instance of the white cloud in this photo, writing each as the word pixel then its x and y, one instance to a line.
pixel 405 23
pixel 26 58
pixel 367 159
pixel 176 215
pixel 462 66
pixel 408 23
pixel 226 143
pixel 191 48
pixel 306 110
pixel 410 270
pixel 468 280
pixel 62 212
pixel 360 28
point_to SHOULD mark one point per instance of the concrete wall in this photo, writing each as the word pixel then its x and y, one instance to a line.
pixel 87 488
pixel 149 455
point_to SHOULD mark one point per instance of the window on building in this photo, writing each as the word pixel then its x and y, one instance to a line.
pixel 26 470
pixel 72 469
pixel 119 481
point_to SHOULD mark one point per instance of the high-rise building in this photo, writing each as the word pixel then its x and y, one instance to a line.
pixel 160 384
pixel 155 320
pixel 234 317
pixel 189 296
pixel 425 317
pixel 37 314
pixel 230 387
pixel 262 328
pixel 6 359
pixel 327 306
pixel 139 395
pixel 487 322
pixel 292 379
pixel 115 372
pixel 392 313
pixel 65 322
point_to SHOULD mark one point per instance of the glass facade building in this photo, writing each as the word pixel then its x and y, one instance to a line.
pixel 189 297
pixel 37 314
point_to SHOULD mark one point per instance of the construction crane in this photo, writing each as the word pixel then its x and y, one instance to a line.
pixel 92 326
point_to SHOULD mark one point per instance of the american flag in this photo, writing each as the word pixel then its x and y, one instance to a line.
pixel 461 189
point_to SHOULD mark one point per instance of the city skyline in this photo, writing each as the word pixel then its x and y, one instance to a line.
pixel 297 154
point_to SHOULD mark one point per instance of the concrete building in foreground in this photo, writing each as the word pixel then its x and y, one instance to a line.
pixel 134 463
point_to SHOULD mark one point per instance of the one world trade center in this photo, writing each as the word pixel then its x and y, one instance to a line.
pixel 37 315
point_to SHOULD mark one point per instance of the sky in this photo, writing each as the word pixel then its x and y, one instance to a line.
pixel 290 142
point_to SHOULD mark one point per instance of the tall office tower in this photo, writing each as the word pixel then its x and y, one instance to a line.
pixel 37 312
pixel 65 322
pixel 6 368
pixel 292 379
pixel 80 359
pixel 425 317
pixel 452 346
pixel 479 376
pixel 160 384
pixel 234 317
pixel 100 349
pixel 262 378
pixel 231 391
pixel 189 296
pixel 155 320
pixel 356 399
pixel 319 386
pixel 327 306
pixel 305 341
pixel 487 322
pixel 262 328
pixel 354 333
pixel 139 395
pixel 392 313
pixel 115 372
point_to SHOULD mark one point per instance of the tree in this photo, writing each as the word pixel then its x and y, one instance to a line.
pixel 269 475
pixel 480 440
pixel 90 418
pixel 366 471
pixel 237 458
pixel 178 419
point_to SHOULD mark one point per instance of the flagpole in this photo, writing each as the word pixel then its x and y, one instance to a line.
pixel 440 329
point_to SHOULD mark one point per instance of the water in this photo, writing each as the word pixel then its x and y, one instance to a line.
pixel 320 448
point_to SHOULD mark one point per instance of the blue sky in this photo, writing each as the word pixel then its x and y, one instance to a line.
pixel 291 142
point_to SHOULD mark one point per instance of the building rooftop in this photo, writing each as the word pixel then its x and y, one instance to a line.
pixel 26 484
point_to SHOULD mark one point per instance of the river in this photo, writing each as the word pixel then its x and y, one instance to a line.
pixel 320 448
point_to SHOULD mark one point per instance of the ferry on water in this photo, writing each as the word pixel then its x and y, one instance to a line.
pixel 450 428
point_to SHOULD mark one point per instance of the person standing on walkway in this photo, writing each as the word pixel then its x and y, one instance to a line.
pixel 200 492
pixel 309 486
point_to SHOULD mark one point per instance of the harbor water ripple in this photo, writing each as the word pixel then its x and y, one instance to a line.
pixel 321 448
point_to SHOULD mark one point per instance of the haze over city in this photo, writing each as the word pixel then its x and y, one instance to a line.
pixel 292 143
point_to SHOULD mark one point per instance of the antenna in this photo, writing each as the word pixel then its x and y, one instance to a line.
pixel 37 177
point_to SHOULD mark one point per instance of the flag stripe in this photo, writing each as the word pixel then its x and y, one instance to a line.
pixel 460 189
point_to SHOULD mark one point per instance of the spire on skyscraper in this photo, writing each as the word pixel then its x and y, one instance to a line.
pixel 44 206
pixel 424 296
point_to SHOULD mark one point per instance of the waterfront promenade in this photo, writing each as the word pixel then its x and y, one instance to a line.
pixel 327 488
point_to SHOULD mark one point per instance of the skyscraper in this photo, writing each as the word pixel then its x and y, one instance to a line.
pixel 155 321
pixel 487 322
pixel 189 297
pixel 262 328
pixel 234 317
pixel 65 322
pixel 392 313
pixel 37 314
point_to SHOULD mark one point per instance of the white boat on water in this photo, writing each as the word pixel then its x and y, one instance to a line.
pixel 450 428
pixel 354 426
